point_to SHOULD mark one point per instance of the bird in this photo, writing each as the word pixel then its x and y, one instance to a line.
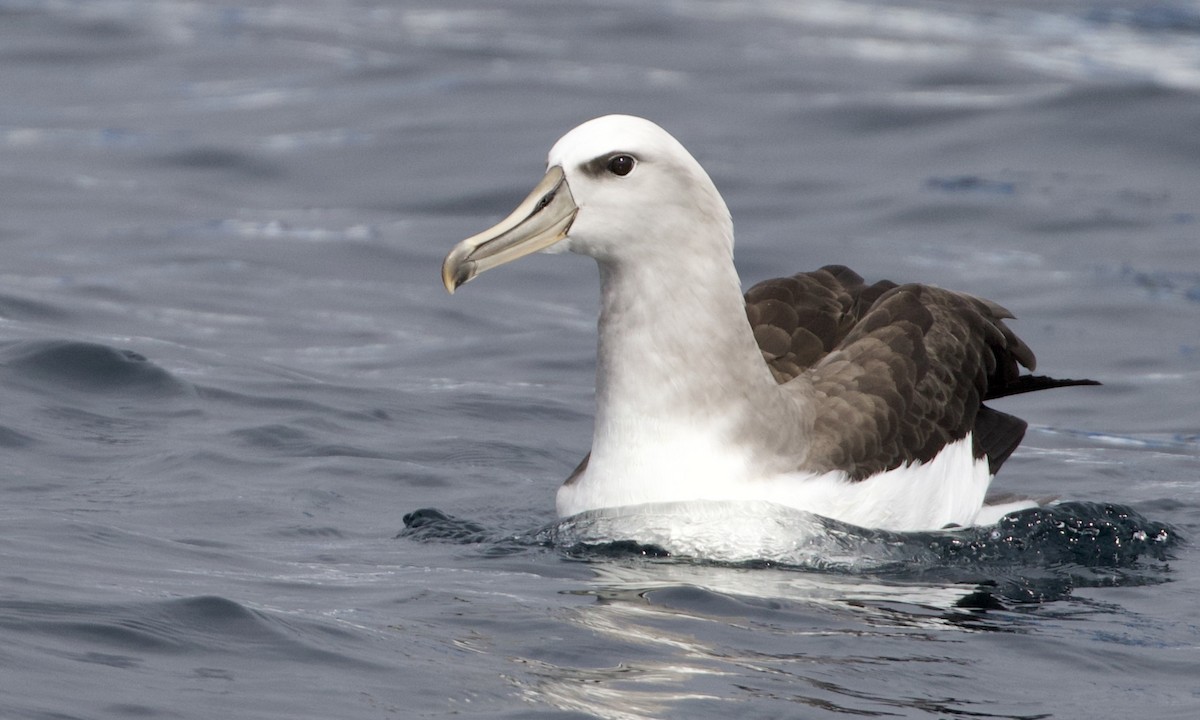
pixel 862 403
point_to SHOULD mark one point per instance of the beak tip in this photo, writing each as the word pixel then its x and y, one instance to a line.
pixel 455 273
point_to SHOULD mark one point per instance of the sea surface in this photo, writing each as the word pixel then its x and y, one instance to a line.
pixel 256 463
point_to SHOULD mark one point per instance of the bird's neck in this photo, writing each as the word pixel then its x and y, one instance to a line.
pixel 676 357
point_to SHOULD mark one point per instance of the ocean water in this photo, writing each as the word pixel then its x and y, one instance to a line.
pixel 255 463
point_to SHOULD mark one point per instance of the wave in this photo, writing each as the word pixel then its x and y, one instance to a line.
pixel 1031 555
pixel 86 367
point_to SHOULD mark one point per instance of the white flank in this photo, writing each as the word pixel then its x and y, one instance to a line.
pixel 949 490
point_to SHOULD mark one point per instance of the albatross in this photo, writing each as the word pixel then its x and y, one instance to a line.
pixel 858 402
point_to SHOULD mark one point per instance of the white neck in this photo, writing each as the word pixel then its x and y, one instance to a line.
pixel 679 376
pixel 671 344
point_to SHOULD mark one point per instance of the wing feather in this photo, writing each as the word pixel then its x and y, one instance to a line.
pixel 899 370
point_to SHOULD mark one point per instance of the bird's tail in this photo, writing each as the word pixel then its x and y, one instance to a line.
pixel 1033 383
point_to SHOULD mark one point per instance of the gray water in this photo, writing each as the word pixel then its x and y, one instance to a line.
pixel 229 370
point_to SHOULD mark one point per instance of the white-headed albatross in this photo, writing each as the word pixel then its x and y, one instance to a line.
pixel 861 403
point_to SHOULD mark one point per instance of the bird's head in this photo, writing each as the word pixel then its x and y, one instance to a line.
pixel 617 188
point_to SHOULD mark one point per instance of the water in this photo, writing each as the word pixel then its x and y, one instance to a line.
pixel 229 369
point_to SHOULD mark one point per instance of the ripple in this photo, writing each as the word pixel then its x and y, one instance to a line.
pixel 88 367
pixel 122 635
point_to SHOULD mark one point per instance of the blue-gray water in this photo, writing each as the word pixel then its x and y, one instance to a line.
pixel 229 370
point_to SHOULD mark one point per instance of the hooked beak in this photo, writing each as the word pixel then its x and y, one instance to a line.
pixel 541 220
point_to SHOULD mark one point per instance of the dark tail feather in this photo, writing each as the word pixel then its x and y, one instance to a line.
pixel 1032 383
pixel 996 435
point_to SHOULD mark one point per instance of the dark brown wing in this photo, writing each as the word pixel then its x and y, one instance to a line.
pixel 800 319
pixel 898 371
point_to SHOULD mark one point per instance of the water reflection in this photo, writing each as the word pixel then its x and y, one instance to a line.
pixel 834 618
pixel 792 636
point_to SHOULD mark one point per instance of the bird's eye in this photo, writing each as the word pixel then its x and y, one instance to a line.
pixel 621 165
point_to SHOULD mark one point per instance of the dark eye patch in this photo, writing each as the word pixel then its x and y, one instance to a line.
pixel 604 165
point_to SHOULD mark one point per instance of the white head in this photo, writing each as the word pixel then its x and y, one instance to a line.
pixel 617 188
